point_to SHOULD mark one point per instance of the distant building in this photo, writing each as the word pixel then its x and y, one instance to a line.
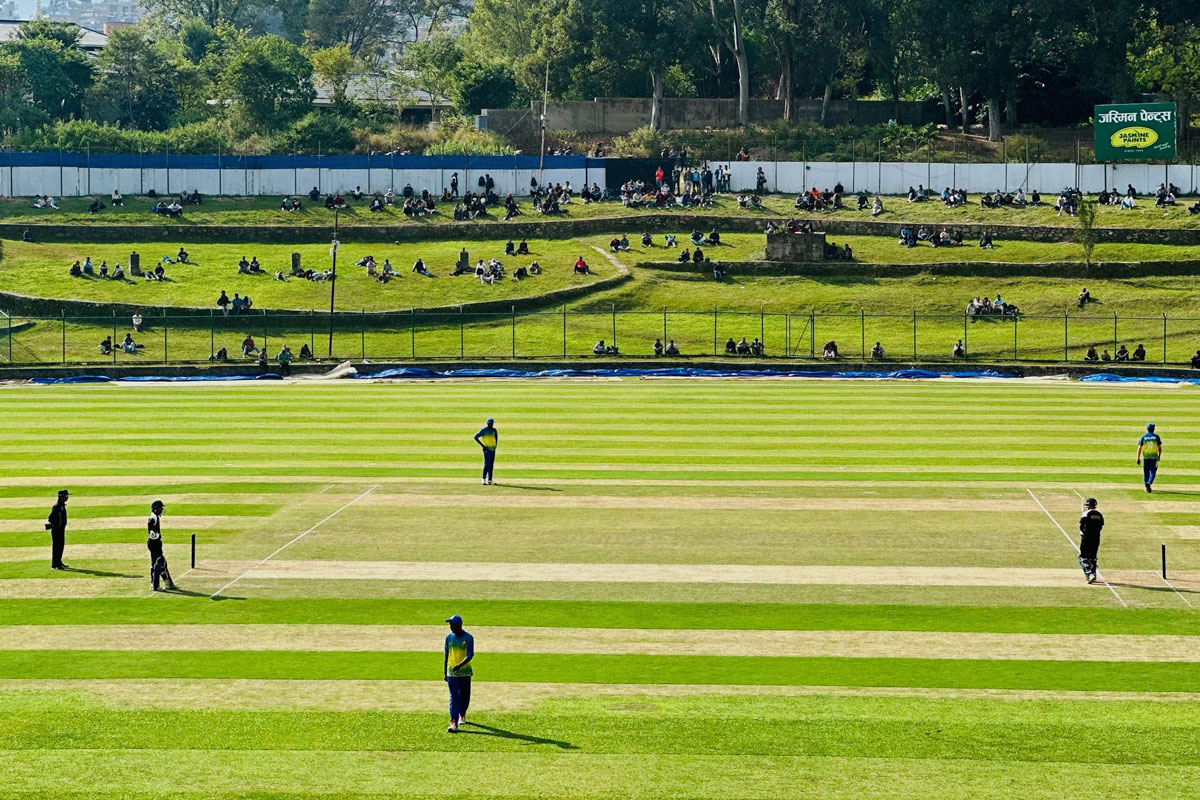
pixel 416 107
pixel 8 9
pixel 91 15
pixel 91 41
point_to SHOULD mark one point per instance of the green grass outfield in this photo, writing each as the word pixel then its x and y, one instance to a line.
pixel 685 588
pixel 265 211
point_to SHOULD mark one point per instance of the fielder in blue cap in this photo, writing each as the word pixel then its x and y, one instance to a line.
pixel 488 439
pixel 1149 453
pixel 456 669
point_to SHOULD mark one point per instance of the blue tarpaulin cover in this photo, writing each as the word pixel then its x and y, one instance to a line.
pixel 1109 377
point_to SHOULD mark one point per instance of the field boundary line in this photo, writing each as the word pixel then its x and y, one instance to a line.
pixel 293 541
pixel 1074 546
pixel 1186 602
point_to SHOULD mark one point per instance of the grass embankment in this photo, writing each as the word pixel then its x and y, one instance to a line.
pixel 265 211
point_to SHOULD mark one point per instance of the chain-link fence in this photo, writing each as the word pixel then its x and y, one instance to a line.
pixel 170 338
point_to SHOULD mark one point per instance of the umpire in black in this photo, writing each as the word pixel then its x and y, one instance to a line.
pixel 57 525
pixel 1090 525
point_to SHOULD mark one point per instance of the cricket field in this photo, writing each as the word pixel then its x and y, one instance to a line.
pixel 678 589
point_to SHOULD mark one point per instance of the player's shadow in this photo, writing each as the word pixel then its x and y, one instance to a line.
pixel 184 592
pixel 101 573
pixel 1186 492
pixel 489 730
pixel 529 488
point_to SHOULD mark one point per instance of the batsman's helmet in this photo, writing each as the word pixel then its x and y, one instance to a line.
pixel 157 505
pixel 1089 503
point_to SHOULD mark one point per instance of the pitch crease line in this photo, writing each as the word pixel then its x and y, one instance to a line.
pixel 293 541
pixel 1071 541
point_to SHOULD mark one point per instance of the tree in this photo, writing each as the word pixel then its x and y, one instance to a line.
pixel 58 73
pixel 646 35
pixel 242 13
pixel 365 26
pixel 726 18
pixel 475 86
pixel 334 66
pixel 136 84
pixel 269 81
pixel 1168 59
pixel 428 65
pixel 15 113
pixel 505 27
pixel 1085 228
pixel 197 37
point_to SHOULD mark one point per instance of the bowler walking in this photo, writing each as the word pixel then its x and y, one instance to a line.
pixel 1149 452
pixel 488 439
pixel 456 669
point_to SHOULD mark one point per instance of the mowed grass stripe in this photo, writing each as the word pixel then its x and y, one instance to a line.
pixel 716 670
pixel 600 614
pixel 296 774
pixel 609 641
pixel 645 728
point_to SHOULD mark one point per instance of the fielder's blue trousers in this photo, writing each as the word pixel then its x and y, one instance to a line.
pixel 1149 469
pixel 460 696
pixel 489 461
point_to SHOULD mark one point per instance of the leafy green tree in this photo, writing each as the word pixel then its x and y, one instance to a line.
pixel 135 86
pixel 59 75
pixel 367 27
pixel 334 66
pixel 428 65
pixel 474 86
pixel 269 83
pixel 318 132
pixel 1167 56
pixel 197 36
pixel 243 13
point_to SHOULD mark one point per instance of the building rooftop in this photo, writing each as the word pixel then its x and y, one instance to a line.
pixel 90 40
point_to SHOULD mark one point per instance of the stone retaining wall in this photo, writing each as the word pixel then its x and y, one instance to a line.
pixel 845 224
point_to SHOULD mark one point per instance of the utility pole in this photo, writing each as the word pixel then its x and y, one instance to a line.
pixel 333 278
pixel 542 156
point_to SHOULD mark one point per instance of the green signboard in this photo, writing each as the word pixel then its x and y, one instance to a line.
pixel 1135 132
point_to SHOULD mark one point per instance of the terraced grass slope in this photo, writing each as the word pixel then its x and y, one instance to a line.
pixel 709 589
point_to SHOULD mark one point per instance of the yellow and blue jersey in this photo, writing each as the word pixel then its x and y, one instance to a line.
pixel 1151 445
pixel 488 438
pixel 459 646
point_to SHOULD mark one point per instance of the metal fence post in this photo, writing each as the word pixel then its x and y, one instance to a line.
pixel 1066 335
pixel 762 326
pixel 10 339
pixel 461 334
pixel 165 358
pixel 212 335
pixel 862 330
pixel 787 334
pixel 1114 334
pixel 114 338
pixel 312 334
pixel 363 330
pixel 514 331
pixel 1164 337
pixel 564 331
pixel 412 329
pixel 664 323
pixel 812 334
pixel 714 332
pixel 914 334
pixel 1015 321
pixel 64 337
pixel 965 321
pixel 614 324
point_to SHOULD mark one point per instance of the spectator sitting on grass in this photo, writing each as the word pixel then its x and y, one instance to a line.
pixel 658 347
pixel 157 274
pixel 756 347
pixel 672 348
pixel 647 240
pixel 248 347
pixel 730 347
pixel 182 256
pixel 1194 208
pixel 1139 353
pixel 96 207
pixel 523 248
pixel 87 266
pixel 174 209
pixel 697 256
pixel 1085 297
pixel 106 346
pixel 376 204
pixel 510 249
pixel 1122 353
pixel 128 345
pixel 285 360
pixel 279 276
pixel 262 359
pixel 420 268
pixel 959 350
pixel 1106 356
pixel 389 197
pixel 697 238
pixel 1127 202
pixel 743 347
pixel 1091 354
pixel 117 199
pixel 985 241
pixel 1196 360
pixel 223 302
pixel 877 352
pixel 520 273
pixel 877 206
pixel 830 350
pixel 614 245
pixel 103 269
pixel 305 353
pixel 714 237
pixel 599 349
pixel 581 267
pixel 118 274
pixel 329 202
pixel 718 272
pixel 136 320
